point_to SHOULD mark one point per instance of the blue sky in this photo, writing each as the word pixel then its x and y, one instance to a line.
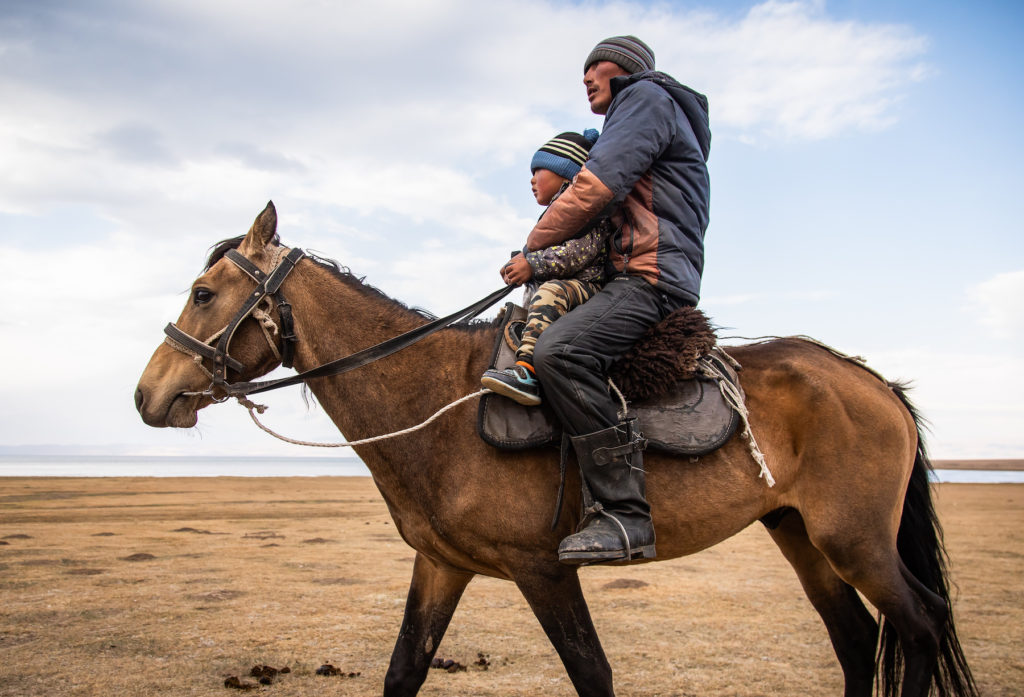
pixel 866 178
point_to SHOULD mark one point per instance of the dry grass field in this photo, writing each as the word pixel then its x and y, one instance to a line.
pixel 143 586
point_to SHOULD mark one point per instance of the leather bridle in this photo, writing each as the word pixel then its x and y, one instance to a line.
pixel 267 286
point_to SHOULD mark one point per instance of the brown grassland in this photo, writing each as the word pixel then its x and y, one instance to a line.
pixel 146 586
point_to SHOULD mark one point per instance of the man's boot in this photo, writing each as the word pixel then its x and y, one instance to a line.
pixel 617 526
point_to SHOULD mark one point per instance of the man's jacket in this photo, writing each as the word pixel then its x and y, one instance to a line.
pixel 652 159
pixel 582 257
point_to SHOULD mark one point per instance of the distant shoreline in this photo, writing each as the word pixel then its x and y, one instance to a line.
pixel 991 465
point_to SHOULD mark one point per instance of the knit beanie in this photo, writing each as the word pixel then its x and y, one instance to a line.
pixel 565 153
pixel 627 52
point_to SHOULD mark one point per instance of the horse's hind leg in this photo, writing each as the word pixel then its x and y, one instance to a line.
pixel 434 593
pixel 556 598
pixel 850 626
pixel 916 614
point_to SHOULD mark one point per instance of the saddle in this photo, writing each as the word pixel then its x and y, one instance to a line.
pixel 671 377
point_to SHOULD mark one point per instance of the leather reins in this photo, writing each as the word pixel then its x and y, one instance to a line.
pixel 269 285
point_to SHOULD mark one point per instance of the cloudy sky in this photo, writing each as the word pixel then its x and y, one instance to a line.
pixel 866 180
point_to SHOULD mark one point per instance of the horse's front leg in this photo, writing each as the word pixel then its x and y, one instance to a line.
pixel 556 598
pixel 434 593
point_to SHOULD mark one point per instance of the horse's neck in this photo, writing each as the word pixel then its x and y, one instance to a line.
pixel 336 318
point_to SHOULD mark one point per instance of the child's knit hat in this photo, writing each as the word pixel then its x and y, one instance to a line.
pixel 628 52
pixel 565 153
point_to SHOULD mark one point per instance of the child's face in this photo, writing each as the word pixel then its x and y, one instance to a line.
pixel 545 185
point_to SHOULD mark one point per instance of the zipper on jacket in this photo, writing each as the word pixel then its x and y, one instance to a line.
pixel 627 250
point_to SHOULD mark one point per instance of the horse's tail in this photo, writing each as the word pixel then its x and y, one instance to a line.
pixel 921 548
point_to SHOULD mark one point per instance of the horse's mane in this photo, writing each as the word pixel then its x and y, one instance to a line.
pixel 343 274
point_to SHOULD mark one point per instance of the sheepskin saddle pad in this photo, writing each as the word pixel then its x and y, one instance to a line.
pixel 670 379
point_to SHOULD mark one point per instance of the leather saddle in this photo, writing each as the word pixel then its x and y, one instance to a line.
pixel 683 417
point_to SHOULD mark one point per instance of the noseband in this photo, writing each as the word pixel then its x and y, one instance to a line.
pixel 267 286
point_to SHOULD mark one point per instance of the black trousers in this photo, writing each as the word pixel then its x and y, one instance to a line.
pixel 574 354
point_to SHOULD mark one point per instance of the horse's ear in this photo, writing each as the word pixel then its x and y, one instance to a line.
pixel 263 229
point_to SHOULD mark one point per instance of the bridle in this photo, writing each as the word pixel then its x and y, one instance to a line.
pixel 268 286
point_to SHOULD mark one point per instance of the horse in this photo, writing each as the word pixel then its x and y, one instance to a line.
pixel 851 509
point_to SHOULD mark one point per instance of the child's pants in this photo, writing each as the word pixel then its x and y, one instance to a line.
pixel 552 300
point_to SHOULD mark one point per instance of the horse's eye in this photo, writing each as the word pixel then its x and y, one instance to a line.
pixel 201 296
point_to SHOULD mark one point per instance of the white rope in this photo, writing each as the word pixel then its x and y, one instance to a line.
pixel 260 408
pixel 734 398
pixel 729 391
pixel 196 358
pixel 624 412
pixel 268 325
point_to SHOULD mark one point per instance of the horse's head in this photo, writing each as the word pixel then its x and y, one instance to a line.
pixel 175 385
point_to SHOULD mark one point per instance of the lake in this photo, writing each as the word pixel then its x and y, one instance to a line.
pixel 186 466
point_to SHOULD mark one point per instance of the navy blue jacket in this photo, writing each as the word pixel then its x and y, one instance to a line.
pixel 648 171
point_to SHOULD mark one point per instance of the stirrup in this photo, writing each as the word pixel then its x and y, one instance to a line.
pixel 595 556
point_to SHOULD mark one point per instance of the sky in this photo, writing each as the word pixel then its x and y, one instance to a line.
pixel 865 166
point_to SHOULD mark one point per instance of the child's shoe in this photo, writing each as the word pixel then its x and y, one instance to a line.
pixel 517 383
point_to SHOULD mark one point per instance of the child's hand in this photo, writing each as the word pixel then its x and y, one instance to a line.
pixel 517 271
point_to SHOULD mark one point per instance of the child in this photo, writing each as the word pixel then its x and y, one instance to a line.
pixel 569 273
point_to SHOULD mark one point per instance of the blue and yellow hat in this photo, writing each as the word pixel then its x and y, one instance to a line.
pixel 565 153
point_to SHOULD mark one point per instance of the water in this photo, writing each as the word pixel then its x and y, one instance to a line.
pixel 979 476
pixel 178 466
pixel 185 466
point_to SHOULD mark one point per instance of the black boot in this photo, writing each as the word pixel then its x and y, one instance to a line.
pixel 618 523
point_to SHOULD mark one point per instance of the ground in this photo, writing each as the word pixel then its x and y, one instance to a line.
pixel 142 586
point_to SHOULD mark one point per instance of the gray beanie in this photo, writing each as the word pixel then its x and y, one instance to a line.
pixel 627 52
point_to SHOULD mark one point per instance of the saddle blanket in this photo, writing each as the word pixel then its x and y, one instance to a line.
pixel 691 418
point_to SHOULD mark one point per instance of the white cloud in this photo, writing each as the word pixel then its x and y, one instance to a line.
pixel 787 70
pixel 394 136
pixel 448 85
pixel 946 387
pixel 999 302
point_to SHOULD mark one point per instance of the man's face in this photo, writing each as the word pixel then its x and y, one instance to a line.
pixel 597 80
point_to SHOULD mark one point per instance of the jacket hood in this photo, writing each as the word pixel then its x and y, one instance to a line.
pixel 693 103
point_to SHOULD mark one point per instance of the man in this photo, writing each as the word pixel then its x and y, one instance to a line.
pixel 648 172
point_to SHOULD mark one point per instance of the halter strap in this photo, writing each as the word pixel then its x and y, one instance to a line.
pixel 270 284
pixel 267 285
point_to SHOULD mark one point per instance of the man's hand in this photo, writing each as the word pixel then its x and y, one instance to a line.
pixel 517 271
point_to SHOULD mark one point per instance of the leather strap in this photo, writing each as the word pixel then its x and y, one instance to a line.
pixel 371 354
pixel 269 285
pixel 193 344
pixel 288 338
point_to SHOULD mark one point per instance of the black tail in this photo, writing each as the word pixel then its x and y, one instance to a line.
pixel 921 548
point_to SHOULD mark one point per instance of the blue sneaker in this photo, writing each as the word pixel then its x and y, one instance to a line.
pixel 517 383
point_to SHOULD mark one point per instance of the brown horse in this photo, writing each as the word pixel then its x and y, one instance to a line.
pixel 851 510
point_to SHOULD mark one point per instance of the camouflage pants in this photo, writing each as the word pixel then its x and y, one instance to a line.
pixel 552 300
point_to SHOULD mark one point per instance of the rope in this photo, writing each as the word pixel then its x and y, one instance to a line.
pixel 262 317
pixel 733 396
pixel 196 358
pixel 268 325
pixel 254 408
pixel 624 412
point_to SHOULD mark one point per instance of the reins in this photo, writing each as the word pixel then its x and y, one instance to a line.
pixel 269 286
pixel 371 354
